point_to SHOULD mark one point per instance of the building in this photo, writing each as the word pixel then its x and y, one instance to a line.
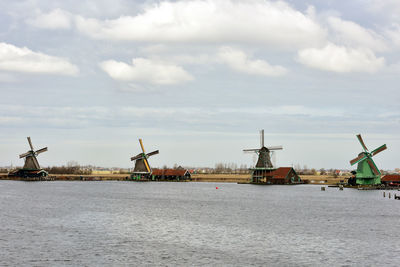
pixel 282 175
pixel 170 175
pixel 391 179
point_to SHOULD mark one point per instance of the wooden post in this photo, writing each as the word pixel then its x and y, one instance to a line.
pixel 384 195
pixel 389 194
pixel 322 188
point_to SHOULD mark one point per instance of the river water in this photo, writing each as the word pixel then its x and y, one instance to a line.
pixel 181 224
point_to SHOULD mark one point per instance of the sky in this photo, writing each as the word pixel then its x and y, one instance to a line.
pixel 198 80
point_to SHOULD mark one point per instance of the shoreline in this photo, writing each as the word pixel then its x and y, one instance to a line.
pixel 219 178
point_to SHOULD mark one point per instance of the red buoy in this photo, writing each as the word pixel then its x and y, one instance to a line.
pixel 216 187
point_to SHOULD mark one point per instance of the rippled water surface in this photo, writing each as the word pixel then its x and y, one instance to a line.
pixel 169 224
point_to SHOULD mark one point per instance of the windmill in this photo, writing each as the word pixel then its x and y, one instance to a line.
pixel 264 153
pixel 31 162
pixel 31 167
pixel 142 167
pixel 367 172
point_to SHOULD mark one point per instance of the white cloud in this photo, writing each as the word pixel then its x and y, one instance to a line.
pixel 146 70
pixel 56 19
pixel 211 21
pixel 239 61
pixel 341 59
pixel 13 58
pixel 352 34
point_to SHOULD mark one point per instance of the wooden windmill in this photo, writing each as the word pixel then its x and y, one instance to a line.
pixel 264 153
pixel 142 167
pixel 367 172
pixel 31 169
pixel 31 162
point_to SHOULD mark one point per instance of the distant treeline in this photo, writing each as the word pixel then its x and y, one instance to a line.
pixel 229 168
pixel 68 170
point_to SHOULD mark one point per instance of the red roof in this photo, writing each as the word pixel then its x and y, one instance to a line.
pixel 281 172
pixel 391 178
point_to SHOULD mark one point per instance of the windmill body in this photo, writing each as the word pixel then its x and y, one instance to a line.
pixel 367 171
pixel 142 168
pixel 264 158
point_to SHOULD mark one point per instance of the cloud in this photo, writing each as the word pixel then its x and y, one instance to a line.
pixel 239 61
pixel 275 23
pixel 341 59
pixel 147 71
pixel 83 117
pixel 13 58
pixel 56 19
pixel 352 34
pixel 390 9
pixel 393 33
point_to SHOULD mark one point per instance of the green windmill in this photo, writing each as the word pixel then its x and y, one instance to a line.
pixel 367 172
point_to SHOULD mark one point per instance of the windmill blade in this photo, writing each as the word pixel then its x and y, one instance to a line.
pixel 36 162
pixel 146 164
pixel 24 155
pixel 30 143
pixel 262 138
pixel 41 150
pixel 275 148
pixel 138 156
pixel 358 159
pixel 273 158
pixel 141 145
pixel 373 166
pixel 251 150
pixel 153 153
pixel 379 149
pixel 362 142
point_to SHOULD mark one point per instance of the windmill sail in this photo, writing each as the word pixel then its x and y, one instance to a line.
pixel 378 150
pixel 152 153
pixel 362 142
pixel 358 159
pixel 373 167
